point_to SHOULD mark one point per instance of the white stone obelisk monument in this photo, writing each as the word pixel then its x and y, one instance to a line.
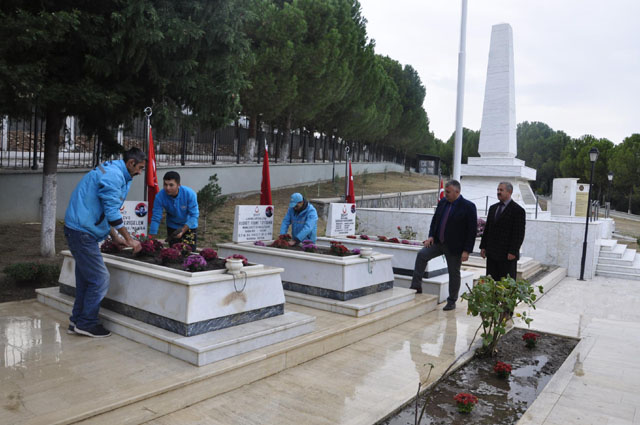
pixel 498 145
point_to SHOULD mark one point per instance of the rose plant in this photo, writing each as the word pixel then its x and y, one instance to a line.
pixel 495 303
pixel 465 402
pixel 530 339
pixel 502 369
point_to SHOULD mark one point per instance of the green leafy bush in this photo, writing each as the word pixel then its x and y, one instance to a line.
pixel 495 302
pixel 33 272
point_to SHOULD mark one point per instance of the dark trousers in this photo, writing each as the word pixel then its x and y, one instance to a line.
pixel 193 232
pixel 453 265
pixel 498 269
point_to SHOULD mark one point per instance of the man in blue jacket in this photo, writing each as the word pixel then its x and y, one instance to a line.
pixel 303 218
pixel 452 234
pixel 94 213
pixel 181 205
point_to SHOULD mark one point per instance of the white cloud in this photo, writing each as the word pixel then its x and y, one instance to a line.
pixel 577 62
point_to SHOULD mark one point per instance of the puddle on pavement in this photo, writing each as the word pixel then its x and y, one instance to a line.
pixel 501 402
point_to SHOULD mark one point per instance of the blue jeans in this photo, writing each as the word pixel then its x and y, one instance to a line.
pixel 92 278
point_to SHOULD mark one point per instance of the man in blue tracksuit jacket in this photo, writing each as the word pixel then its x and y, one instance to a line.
pixel 94 213
pixel 303 218
pixel 181 205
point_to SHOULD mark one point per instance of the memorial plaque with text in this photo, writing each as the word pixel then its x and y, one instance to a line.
pixel 135 216
pixel 253 223
pixel 342 220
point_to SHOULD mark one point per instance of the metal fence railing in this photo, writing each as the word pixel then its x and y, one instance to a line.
pixel 22 145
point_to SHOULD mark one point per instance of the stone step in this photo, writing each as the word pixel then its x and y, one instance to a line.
pixel 627 259
pixel 526 267
pixel 633 268
pixel 437 285
pixel 607 244
pixel 626 276
pixel 357 307
pixel 617 252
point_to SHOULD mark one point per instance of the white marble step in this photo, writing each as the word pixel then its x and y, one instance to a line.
pixel 607 244
pixel 633 268
pixel 438 285
pixel 627 259
pixel 617 252
pixel 626 276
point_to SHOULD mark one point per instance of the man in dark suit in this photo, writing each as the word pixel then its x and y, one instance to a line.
pixel 503 234
pixel 452 234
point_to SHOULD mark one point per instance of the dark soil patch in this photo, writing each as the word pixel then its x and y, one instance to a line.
pixel 500 401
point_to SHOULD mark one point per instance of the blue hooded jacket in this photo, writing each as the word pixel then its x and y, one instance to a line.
pixel 304 225
pixel 181 210
pixel 96 201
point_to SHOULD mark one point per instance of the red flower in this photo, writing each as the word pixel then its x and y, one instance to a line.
pixel 382 238
pixel 466 402
pixel 530 336
pixel 351 236
pixel 502 369
pixel 393 240
pixel 364 237
pixel 209 254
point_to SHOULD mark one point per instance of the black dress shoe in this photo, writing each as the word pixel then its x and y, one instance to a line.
pixel 418 290
pixel 449 306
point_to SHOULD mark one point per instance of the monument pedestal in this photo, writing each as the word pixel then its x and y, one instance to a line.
pixel 481 176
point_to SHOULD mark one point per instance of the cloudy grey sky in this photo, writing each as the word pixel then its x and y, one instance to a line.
pixel 577 62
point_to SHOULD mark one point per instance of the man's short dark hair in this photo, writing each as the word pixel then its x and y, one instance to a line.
pixel 454 183
pixel 507 186
pixel 136 154
pixel 172 175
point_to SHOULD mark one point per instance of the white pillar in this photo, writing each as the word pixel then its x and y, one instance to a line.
pixel 121 134
pixel 457 147
pixel 498 130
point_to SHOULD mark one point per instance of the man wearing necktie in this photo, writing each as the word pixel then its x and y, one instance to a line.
pixel 503 234
pixel 452 234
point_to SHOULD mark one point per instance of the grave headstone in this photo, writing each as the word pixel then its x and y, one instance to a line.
pixel 563 197
pixel 134 216
pixel 253 223
pixel 342 220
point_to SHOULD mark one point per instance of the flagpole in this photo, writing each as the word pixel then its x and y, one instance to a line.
pixel 457 146
pixel 346 173
pixel 148 112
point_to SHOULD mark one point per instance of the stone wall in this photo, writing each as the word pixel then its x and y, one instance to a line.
pixel 22 190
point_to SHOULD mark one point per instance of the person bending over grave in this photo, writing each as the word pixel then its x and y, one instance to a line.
pixel 92 214
pixel 303 218
pixel 181 205
pixel 452 234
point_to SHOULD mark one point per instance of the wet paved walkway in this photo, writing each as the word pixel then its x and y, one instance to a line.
pixel 43 369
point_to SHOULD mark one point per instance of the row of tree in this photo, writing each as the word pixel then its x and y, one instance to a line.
pixel 290 63
pixel 555 154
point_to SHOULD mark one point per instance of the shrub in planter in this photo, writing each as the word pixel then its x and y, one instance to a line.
pixel 259 243
pixel 280 243
pixel 407 233
pixel 338 249
pixel 382 238
pixel 170 255
pixel 393 240
pixel 465 402
pixel 530 339
pixel 151 246
pixel 502 370
pixel 209 254
pixel 366 238
pixel 309 246
pixel 194 263
pixel 495 303
pixel 183 248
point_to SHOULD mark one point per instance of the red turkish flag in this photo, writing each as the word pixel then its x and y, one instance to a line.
pixel 265 187
pixel 151 176
pixel 441 190
pixel 350 197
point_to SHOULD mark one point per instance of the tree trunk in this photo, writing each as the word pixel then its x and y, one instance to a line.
pixel 630 195
pixel 285 145
pixel 49 183
pixel 250 147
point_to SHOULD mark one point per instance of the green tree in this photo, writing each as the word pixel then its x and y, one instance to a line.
pixel 625 163
pixel 105 61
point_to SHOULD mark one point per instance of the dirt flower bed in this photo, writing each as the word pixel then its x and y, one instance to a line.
pixel 501 400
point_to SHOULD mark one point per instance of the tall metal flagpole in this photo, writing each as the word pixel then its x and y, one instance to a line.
pixel 457 149
pixel 148 112
pixel 346 173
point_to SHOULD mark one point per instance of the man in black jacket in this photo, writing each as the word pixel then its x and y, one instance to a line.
pixel 503 234
pixel 452 234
